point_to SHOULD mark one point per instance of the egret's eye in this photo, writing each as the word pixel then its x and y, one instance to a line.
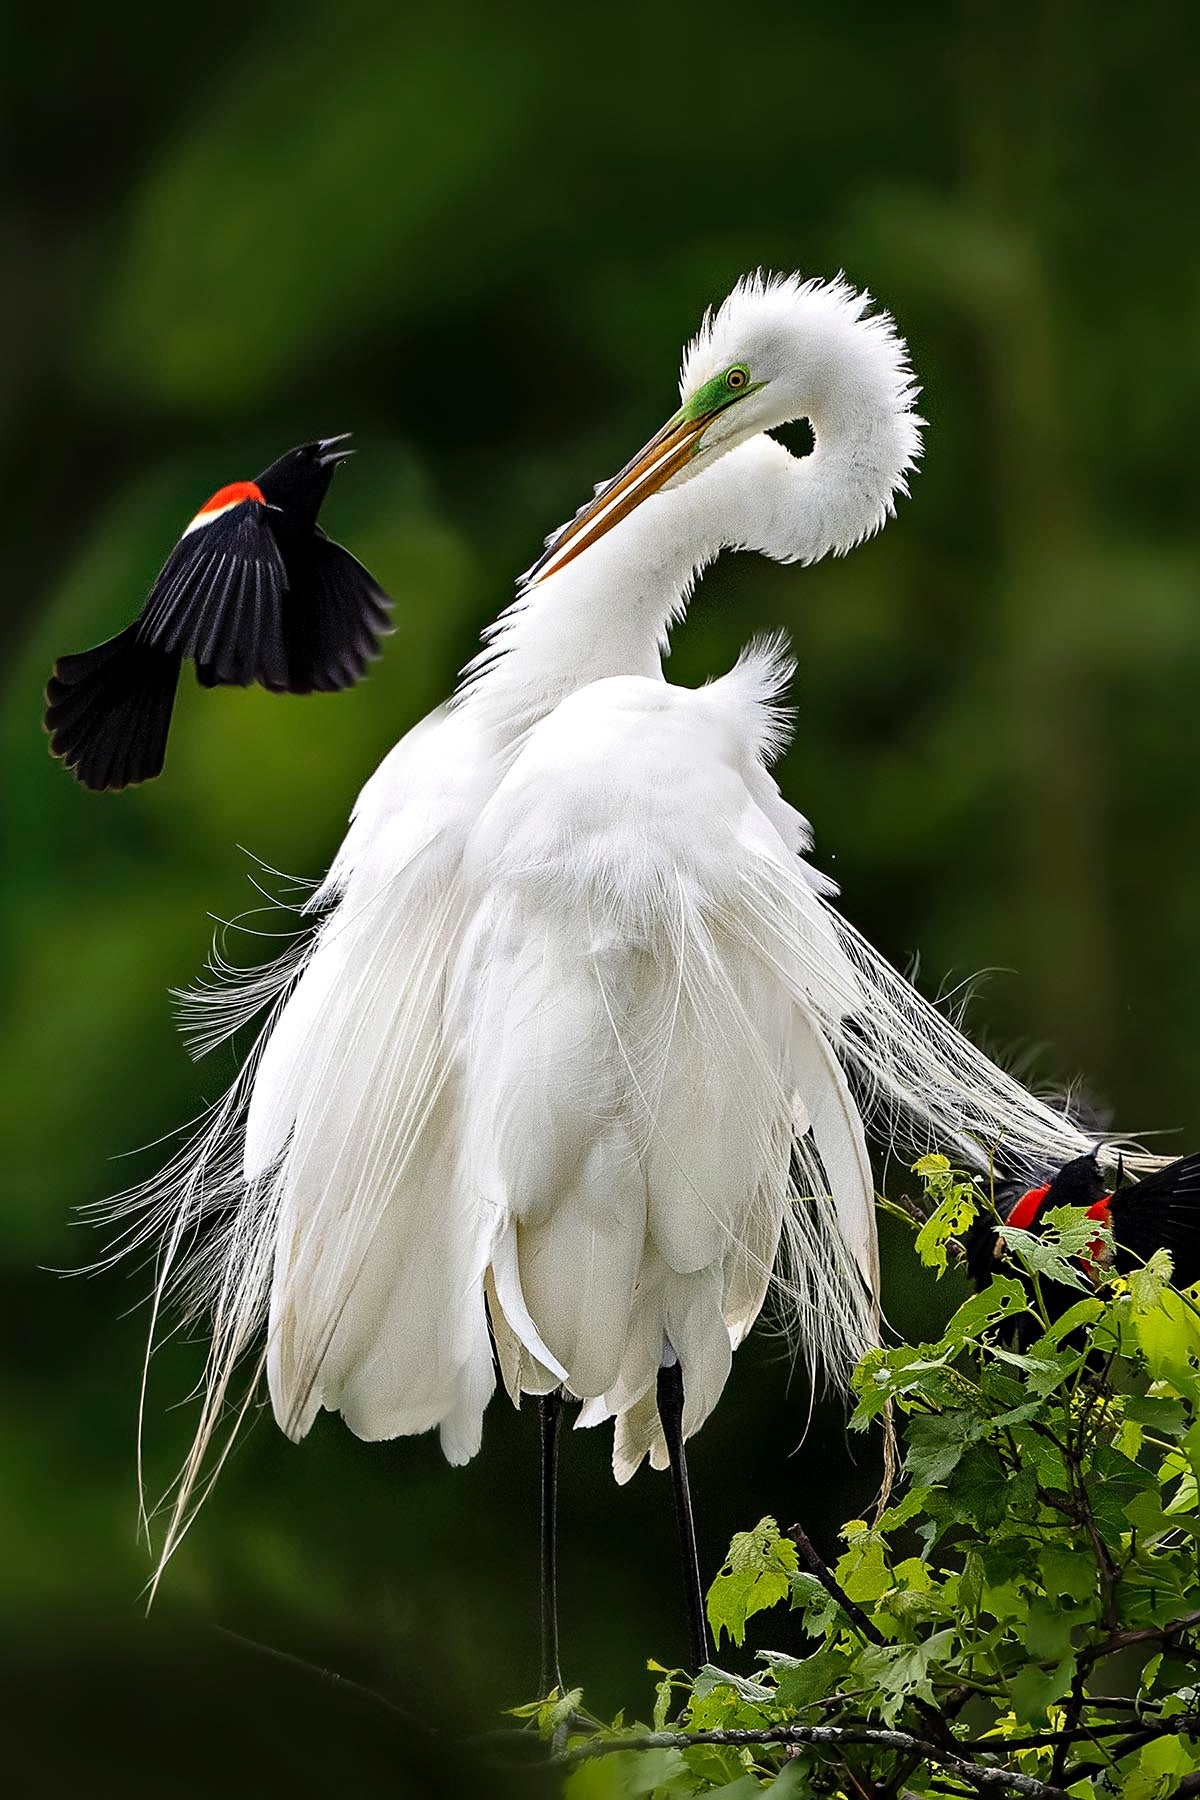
pixel 737 379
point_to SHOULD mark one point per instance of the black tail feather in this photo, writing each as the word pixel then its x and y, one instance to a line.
pixel 108 711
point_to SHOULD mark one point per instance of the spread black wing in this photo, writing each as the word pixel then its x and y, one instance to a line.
pixel 219 600
pixel 333 618
pixel 108 710
pixel 1162 1211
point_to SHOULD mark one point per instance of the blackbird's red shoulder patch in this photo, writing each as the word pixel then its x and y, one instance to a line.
pixel 1024 1212
pixel 223 500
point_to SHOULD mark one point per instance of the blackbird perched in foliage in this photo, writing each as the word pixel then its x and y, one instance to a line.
pixel 1159 1212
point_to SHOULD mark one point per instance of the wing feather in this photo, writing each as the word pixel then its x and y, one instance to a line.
pixel 219 600
pixel 336 614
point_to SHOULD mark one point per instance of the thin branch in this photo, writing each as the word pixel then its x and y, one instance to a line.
pixel 979 1774
pixel 1121 1703
pixel 1071 1714
pixel 1182 1725
pixel 829 1581
pixel 1085 1516
pixel 1146 1634
pixel 852 1780
pixel 900 1776
pixel 1044 1740
pixel 345 1683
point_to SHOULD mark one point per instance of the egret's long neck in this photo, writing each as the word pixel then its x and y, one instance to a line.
pixel 609 611
pixel 606 613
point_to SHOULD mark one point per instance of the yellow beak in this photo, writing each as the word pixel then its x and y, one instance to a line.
pixel 668 451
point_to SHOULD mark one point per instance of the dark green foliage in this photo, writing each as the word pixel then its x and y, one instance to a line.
pixel 1039 1559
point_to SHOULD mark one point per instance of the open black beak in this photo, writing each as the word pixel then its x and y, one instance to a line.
pixel 329 456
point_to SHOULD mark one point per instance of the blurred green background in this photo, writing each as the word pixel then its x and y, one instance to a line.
pixel 477 237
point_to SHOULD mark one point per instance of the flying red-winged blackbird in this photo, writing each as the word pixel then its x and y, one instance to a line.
pixel 253 591
pixel 1159 1212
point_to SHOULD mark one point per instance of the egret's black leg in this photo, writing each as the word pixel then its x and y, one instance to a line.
pixel 550 1408
pixel 670 1411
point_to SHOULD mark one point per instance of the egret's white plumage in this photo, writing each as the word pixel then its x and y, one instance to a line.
pixel 570 1041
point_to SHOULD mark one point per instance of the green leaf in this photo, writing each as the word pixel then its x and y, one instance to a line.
pixel 884 1375
pixel 1056 1371
pixel 1066 1237
pixel 551 1711
pixel 663 1693
pixel 1016 1415
pixel 1168 1336
pixel 1007 1558
pixel 910 1507
pixel 1081 1316
pixel 1159 1768
pixel 756 1575
pixel 1146 1514
pixel 1034 1690
pixel 1048 1631
pixel 913 1575
pixel 711 1765
pixel 862 1573
pixel 1146 1285
pixel 801 1683
pixel 1186 1497
pixel 756 1692
pixel 1075 1231
pixel 1067 1573
pixel 1140 1784
pixel 810 1598
pixel 1041 1457
pixel 734 1598
pixel 1046 1374
pixel 628 1775
pixel 791 1781
pixel 763 1548
pixel 983 1490
pixel 1001 1299
pixel 1006 1601
pixel 936 1443
pixel 719 1703
pixel 903 1670
pixel 1169 1418
pixel 1114 1481
pixel 949 1219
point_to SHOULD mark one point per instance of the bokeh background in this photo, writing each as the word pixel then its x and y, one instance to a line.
pixel 478 236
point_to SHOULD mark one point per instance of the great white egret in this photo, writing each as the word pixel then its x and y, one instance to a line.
pixel 571 1043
